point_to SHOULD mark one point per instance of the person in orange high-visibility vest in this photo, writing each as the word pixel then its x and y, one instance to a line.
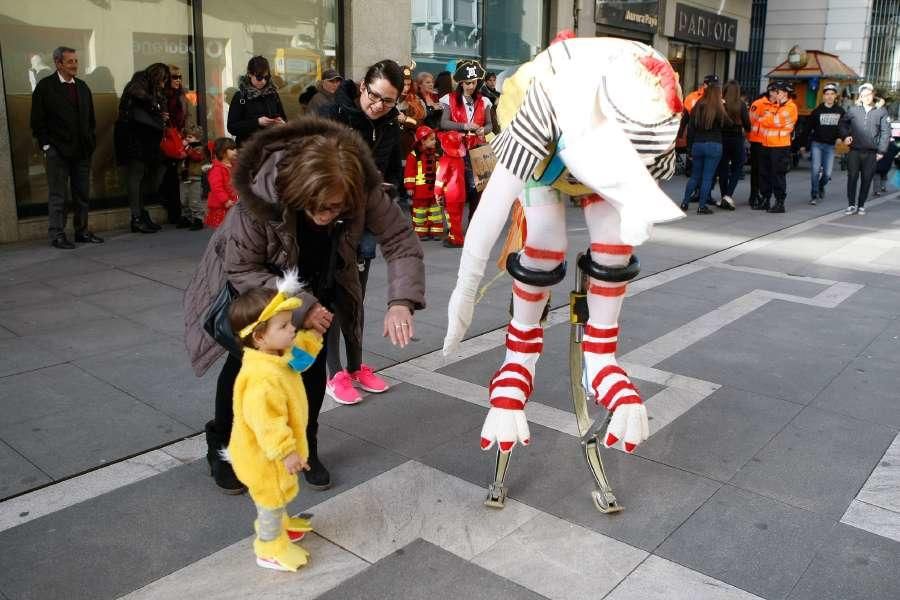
pixel 756 141
pixel 776 124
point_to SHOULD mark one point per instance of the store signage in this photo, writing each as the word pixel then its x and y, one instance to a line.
pixel 638 15
pixel 704 27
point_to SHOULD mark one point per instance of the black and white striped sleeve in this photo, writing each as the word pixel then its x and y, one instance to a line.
pixel 529 136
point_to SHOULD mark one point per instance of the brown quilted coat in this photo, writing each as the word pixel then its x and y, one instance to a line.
pixel 258 239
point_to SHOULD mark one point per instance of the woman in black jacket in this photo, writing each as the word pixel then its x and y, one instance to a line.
pixel 256 104
pixel 138 132
pixel 733 135
pixel 369 108
pixel 707 119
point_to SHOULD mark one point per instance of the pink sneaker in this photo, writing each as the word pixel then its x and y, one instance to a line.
pixel 341 389
pixel 368 380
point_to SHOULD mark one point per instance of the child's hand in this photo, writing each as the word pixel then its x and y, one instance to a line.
pixel 294 464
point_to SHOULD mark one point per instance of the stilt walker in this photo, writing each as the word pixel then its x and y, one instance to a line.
pixel 595 118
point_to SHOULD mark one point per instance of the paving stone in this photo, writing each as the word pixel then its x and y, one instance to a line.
pixel 852 565
pixel 749 541
pixel 882 488
pixel 92 283
pixel 6 333
pixel 776 368
pixel 656 500
pixel 82 340
pixel 834 329
pixel 374 341
pixel 232 574
pixel 789 255
pixel 886 347
pixel 423 570
pixel 539 474
pixel 560 560
pixel 167 319
pixel 98 431
pixel 30 320
pixel 22 354
pixel 31 294
pixel 136 298
pixel 719 435
pixel 19 475
pixel 720 286
pixel 159 374
pixel 818 462
pixel 176 272
pixel 865 390
pixel 58 266
pixel 874 519
pixel 659 579
pixel 407 419
pixel 874 301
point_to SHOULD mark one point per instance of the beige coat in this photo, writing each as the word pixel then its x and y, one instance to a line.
pixel 258 241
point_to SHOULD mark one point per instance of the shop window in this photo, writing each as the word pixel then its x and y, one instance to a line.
pixel 515 32
pixel 299 39
pixel 113 39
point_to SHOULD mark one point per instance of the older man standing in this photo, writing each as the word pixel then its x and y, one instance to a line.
pixel 62 120
pixel 866 128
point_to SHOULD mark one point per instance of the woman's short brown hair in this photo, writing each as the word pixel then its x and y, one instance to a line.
pixel 245 309
pixel 316 169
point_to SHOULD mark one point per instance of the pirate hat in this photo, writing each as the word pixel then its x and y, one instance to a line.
pixel 467 69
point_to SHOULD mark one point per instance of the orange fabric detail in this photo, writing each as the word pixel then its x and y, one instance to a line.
pixel 692 99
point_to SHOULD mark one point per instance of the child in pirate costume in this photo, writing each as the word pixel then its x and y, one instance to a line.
pixel 418 177
pixel 268 441
pixel 450 185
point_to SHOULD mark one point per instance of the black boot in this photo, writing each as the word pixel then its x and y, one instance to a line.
pixel 317 477
pixel 138 226
pixel 761 205
pixel 220 469
pixel 196 225
pixel 145 217
pixel 778 207
pixel 183 223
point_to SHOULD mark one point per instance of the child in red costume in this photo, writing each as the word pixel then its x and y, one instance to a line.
pixel 221 194
pixel 418 177
pixel 450 184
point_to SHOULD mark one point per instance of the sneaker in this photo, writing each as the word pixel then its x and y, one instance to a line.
pixel 861 211
pixel 812 200
pixel 727 203
pixel 850 210
pixel 340 387
pixel 368 380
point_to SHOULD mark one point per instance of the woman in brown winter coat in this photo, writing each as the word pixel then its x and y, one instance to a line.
pixel 308 189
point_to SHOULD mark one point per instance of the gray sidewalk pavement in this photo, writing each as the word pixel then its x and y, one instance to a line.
pixel 765 345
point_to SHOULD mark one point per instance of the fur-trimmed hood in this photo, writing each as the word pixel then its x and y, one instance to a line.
pixel 257 165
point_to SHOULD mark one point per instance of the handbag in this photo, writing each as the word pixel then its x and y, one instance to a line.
pixel 216 323
pixel 172 144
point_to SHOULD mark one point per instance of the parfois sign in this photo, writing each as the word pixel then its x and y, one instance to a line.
pixel 704 27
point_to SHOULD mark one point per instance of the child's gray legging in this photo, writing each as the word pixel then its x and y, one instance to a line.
pixel 269 524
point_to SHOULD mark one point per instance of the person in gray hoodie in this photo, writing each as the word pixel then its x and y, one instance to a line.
pixel 866 129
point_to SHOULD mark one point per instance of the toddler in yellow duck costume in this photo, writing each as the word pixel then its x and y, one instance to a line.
pixel 268 441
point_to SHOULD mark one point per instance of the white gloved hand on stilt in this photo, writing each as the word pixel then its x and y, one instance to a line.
pixel 629 423
pixel 505 426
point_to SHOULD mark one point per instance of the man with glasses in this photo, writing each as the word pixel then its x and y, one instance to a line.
pixel 62 120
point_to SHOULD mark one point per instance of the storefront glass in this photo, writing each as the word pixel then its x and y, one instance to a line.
pixel 299 39
pixel 444 31
pixel 113 39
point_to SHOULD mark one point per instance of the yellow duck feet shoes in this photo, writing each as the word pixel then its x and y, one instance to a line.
pixel 296 527
pixel 279 554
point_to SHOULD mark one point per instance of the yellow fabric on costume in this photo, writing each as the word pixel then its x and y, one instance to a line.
pixel 270 417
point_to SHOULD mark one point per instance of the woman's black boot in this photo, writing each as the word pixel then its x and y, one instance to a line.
pixel 220 469
pixel 317 477
pixel 138 226
pixel 145 217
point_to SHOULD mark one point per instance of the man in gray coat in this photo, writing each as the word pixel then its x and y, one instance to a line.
pixel 866 129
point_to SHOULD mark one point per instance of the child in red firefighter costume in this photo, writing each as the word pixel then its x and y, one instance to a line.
pixel 418 177
pixel 450 184
pixel 594 118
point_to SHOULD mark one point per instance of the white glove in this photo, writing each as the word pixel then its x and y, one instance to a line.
pixel 462 300
pixel 629 423
pixel 506 427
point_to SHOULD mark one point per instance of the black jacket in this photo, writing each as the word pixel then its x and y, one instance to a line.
pixel 822 124
pixel 55 121
pixel 248 105
pixel 871 131
pixel 381 135
pixel 139 127
pixel 738 129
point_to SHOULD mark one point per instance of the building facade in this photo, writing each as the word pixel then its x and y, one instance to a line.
pixel 211 41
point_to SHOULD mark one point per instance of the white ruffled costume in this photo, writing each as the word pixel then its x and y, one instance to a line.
pixel 598 118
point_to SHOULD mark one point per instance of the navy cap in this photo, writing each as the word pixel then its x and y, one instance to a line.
pixel 711 79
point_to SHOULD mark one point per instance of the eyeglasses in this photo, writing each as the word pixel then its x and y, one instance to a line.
pixel 175 77
pixel 376 98
pixel 265 77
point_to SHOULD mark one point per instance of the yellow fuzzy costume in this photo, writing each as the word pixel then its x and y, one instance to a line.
pixel 270 417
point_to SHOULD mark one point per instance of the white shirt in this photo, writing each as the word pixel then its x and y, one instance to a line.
pixel 58 74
